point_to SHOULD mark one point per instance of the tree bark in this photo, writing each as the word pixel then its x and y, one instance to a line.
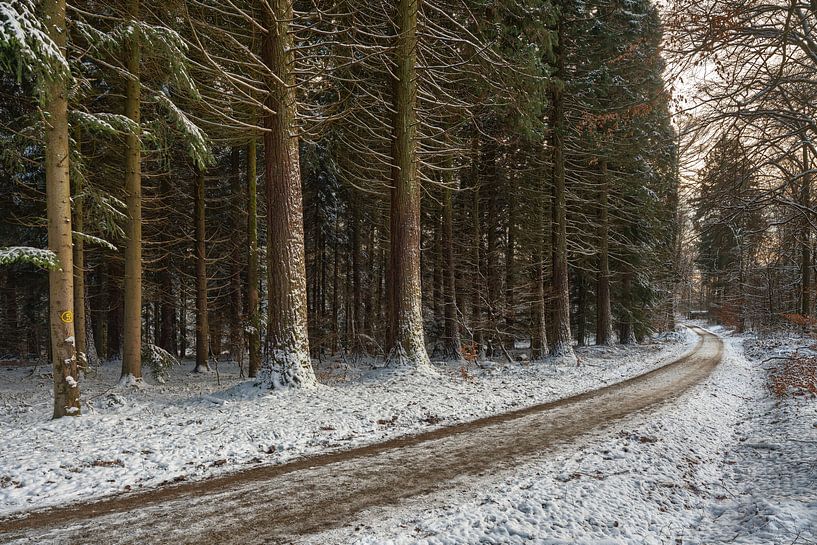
pixel 563 342
pixel 510 267
pixel 370 293
pixel 437 289
pixel 253 310
pixel 167 312
pixel 236 263
pixel 581 313
pixel 314 295
pixel 132 319
pixel 289 363
pixel 100 311
pixel 80 322
pixel 382 300
pixel 336 285
pixel 604 320
pixel 476 245
pixel 167 297
pixel 182 320
pixel 626 333
pixel 10 337
pixel 202 326
pixel 407 344
pixel 215 321
pixel 58 202
pixel 452 344
pixel 356 317
pixel 490 182
pixel 539 336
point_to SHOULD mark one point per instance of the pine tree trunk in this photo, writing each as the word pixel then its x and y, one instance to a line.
pixel 236 263
pixel 253 310
pixel 152 323
pixel 17 340
pixel 167 297
pixel 182 320
pixel 132 347
pixel 289 362
pixel 357 277
pixel 335 285
pixel 80 322
pixel 539 336
pixel 91 356
pixel 626 333
pixel 115 313
pixel 324 261
pixel 58 202
pixel 103 310
pixel 407 345
pixel 315 312
pixel 370 293
pixel 492 273
pixel 462 272
pixel 215 322
pixel 438 305
pixel 348 326
pixel 476 275
pixel 452 343
pixel 167 313
pixel 381 302
pixel 581 313
pixel 8 311
pixel 510 267
pixel 202 326
pixel 604 320
pixel 563 341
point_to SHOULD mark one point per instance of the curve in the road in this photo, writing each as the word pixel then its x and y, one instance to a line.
pixel 276 503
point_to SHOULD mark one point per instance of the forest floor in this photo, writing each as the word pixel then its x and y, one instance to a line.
pixel 192 427
pixel 723 462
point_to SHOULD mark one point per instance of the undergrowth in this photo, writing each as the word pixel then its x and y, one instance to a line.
pixel 795 376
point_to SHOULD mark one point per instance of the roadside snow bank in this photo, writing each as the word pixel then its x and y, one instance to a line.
pixel 192 428
pixel 772 468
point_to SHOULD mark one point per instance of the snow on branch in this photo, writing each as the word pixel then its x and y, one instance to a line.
pixel 158 360
pixel 15 255
pixel 160 42
pixel 105 211
pixel 104 122
pixel 198 147
pixel 25 46
pixel 85 237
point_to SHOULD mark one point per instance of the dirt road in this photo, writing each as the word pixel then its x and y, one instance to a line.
pixel 276 504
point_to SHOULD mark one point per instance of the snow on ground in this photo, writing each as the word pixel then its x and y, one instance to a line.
pixel 192 427
pixel 725 463
pixel 772 470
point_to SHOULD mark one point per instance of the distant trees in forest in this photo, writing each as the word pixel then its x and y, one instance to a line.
pixel 754 123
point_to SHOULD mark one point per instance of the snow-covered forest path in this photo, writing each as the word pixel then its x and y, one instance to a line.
pixel 275 504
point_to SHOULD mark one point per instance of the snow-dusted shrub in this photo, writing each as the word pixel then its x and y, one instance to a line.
pixel 158 360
